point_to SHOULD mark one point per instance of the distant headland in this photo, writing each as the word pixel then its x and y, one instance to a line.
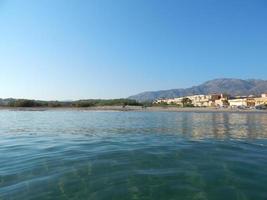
pixel 217 93
pixel 230 86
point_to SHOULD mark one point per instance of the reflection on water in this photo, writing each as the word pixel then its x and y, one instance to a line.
pixel 227 125
pixel 132 155
pixel 190 125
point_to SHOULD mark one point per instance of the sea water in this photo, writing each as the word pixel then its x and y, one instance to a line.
pixel 132 155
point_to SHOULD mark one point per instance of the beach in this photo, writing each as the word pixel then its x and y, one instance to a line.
pixel 136 109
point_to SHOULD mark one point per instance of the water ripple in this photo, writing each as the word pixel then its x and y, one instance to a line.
pixel 132 155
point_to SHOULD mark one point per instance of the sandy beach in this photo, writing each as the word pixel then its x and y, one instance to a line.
pixel 136 109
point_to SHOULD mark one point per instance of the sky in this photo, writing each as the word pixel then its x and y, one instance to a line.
pixel 81 49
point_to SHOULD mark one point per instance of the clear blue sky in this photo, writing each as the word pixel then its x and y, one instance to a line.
pixel 74 49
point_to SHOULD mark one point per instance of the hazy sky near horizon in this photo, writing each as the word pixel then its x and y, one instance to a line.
pixel 74 49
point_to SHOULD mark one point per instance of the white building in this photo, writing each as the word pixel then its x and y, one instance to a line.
pixel 261 100
pixel 237 102
pixel 247 101
pixel 198 100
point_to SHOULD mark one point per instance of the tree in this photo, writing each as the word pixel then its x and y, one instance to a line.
pixel 187 102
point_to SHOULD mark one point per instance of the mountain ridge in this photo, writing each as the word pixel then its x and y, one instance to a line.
pixel 231 86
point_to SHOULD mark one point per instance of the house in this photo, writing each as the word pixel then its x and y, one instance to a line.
pixel 175 101
pixel 210 100
pixel 242 101
pixel 237 102
pixel 200 100
pixel 221 101
pixel 261 100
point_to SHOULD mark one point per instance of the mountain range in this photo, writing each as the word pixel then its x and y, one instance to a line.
pixel 233 87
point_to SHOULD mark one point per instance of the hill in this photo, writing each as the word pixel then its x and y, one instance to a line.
pixel 234 87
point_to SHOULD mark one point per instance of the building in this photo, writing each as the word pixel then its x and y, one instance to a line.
pixel 173 101
pixel 221 101
pixel 245 101
pixel 211 100
pixel 251 102
pixel 200 100
pixel 261 100
pixel 217 100
pixel 237 102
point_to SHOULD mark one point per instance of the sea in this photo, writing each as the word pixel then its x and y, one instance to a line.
pixel 105 155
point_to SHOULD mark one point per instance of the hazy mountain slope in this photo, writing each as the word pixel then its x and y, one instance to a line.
pixel 230 86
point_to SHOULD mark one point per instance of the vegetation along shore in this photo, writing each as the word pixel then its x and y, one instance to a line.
pixel 170 105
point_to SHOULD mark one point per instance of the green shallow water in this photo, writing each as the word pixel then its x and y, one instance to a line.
pixel 132 155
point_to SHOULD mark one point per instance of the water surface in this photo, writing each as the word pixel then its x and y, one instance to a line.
pixel 132 155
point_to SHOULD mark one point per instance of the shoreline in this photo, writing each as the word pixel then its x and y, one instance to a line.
pixel 135 109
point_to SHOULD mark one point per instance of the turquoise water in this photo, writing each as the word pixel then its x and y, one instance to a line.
pixel 132 155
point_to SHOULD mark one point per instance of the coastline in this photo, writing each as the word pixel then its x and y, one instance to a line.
pixel 135 109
